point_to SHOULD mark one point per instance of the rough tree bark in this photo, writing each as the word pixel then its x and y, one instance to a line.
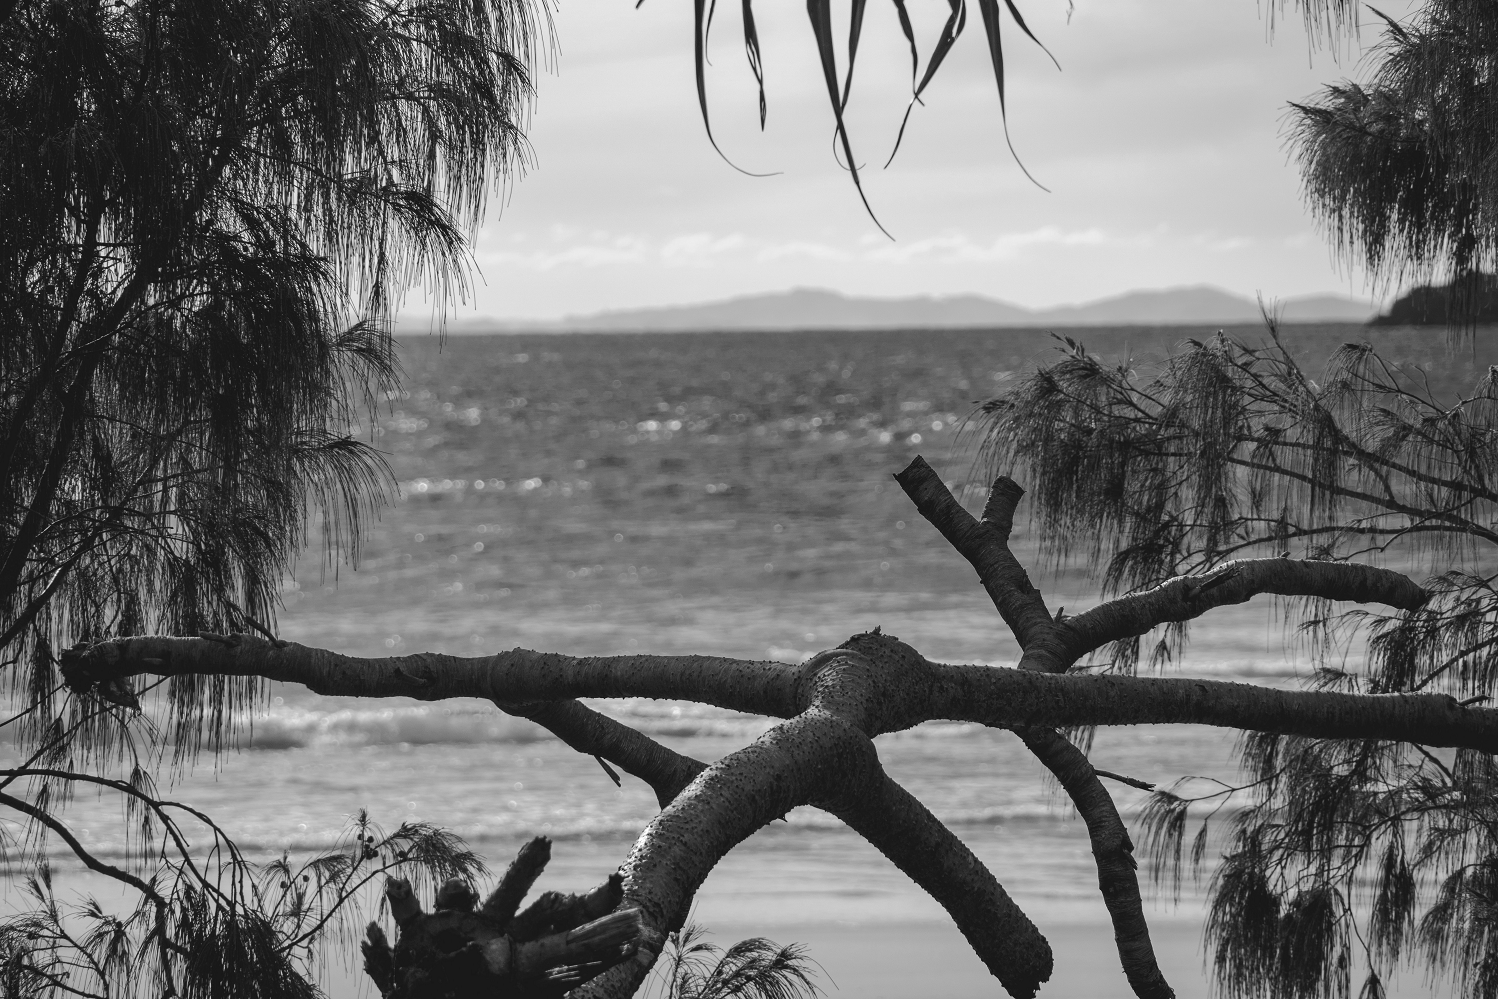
pixel 822 753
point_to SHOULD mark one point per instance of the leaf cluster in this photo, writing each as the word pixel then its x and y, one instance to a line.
pixel 1342 861
pixel 218 924
pixel 1400 169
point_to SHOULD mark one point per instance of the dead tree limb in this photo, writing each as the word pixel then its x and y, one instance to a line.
pixel 1019 602
pixel 895 693
pixel 822 752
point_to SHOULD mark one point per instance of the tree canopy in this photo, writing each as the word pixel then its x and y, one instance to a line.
pixel 1400 169
pixel 208 213
pixel 1345 855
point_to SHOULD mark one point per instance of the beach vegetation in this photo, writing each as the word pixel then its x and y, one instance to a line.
pixel 1398 168
pixel 210 213
pixel 1343 860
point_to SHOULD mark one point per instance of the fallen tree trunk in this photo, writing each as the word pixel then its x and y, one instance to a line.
pixel 833 706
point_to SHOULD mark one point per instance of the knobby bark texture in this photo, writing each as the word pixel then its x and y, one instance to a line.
pixel 832 707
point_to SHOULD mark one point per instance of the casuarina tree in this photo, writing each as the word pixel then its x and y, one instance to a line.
pixel 1344 858
pixel 1399 168
pixel 208 212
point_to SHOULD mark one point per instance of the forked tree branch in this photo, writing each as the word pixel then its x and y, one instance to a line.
pixel 1112 852
pixel 823 754
pixel 1008 585
pixel 985 544
pixel 819 757
pixel 1052 646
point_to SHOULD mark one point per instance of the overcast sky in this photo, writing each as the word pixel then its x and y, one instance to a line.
pixel 1161 140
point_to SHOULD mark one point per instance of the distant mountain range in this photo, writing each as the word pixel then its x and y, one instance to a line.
pixel 810 308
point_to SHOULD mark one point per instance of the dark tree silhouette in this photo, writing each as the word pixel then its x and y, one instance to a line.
pixel 1400 169
pixel 207 213
pixel 1472 301
pixel 1347 857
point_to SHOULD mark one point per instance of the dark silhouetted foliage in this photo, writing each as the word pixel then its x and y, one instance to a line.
pixel 1402 169
pixel 208 212
pixel 1339 850
pixel 1442 305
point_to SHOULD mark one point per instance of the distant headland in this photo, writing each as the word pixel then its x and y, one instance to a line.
pixel 812 308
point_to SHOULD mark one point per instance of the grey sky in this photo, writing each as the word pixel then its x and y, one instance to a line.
pixel 1161 141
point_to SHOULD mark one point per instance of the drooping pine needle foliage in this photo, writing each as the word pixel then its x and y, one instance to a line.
pixel 1402 169
pixel 239 929
pixel 1344 859
pixel 208 214
pixel 756 968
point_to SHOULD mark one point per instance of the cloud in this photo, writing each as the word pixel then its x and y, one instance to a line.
pixel 698 249
pixel 707 250
pixel 961 248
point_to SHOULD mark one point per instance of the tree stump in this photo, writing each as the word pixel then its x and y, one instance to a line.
pixel 462 950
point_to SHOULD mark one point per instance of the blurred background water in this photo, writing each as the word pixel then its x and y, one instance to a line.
pixel 726 494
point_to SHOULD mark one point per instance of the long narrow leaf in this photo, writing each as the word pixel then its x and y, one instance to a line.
pixel 855 28
pixel 956 21
pixel 1019 20
pixel 756 64
pixel 915 66
pixel 990 11
pixel 702 20
pixel 820 13
pixel 909 32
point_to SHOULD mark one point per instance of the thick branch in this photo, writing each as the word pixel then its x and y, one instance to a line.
pixel 1113 852
pixel 984 543
pixel 909 689
pixel 891 818
pixel 792 764
pixel 1186 597
pixel 819 758
pixel 766 688
pixel 1012 698
pixel 587 731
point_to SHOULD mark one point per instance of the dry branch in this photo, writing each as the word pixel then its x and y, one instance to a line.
pixel 1018 601
pixel 833 705
pixel 890 689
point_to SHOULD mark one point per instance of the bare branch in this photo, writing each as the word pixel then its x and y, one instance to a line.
pixel 984 543
pixel 1113 852
pixel 890 818
pixel 1186 597
pixel 889 688
pixel 1010 589
pixel 587 731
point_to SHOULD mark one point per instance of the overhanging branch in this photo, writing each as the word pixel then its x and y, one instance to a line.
pixel 905 687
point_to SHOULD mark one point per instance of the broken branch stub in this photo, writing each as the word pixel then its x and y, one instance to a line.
pixel 458 951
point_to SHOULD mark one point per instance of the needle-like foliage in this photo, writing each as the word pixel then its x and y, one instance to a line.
pixel 1402 168
pixel 1345 859
pixel 208 215
pixel 692 968
pixel 209 212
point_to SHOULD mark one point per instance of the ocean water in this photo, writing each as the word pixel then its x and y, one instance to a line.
pixel 726 494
